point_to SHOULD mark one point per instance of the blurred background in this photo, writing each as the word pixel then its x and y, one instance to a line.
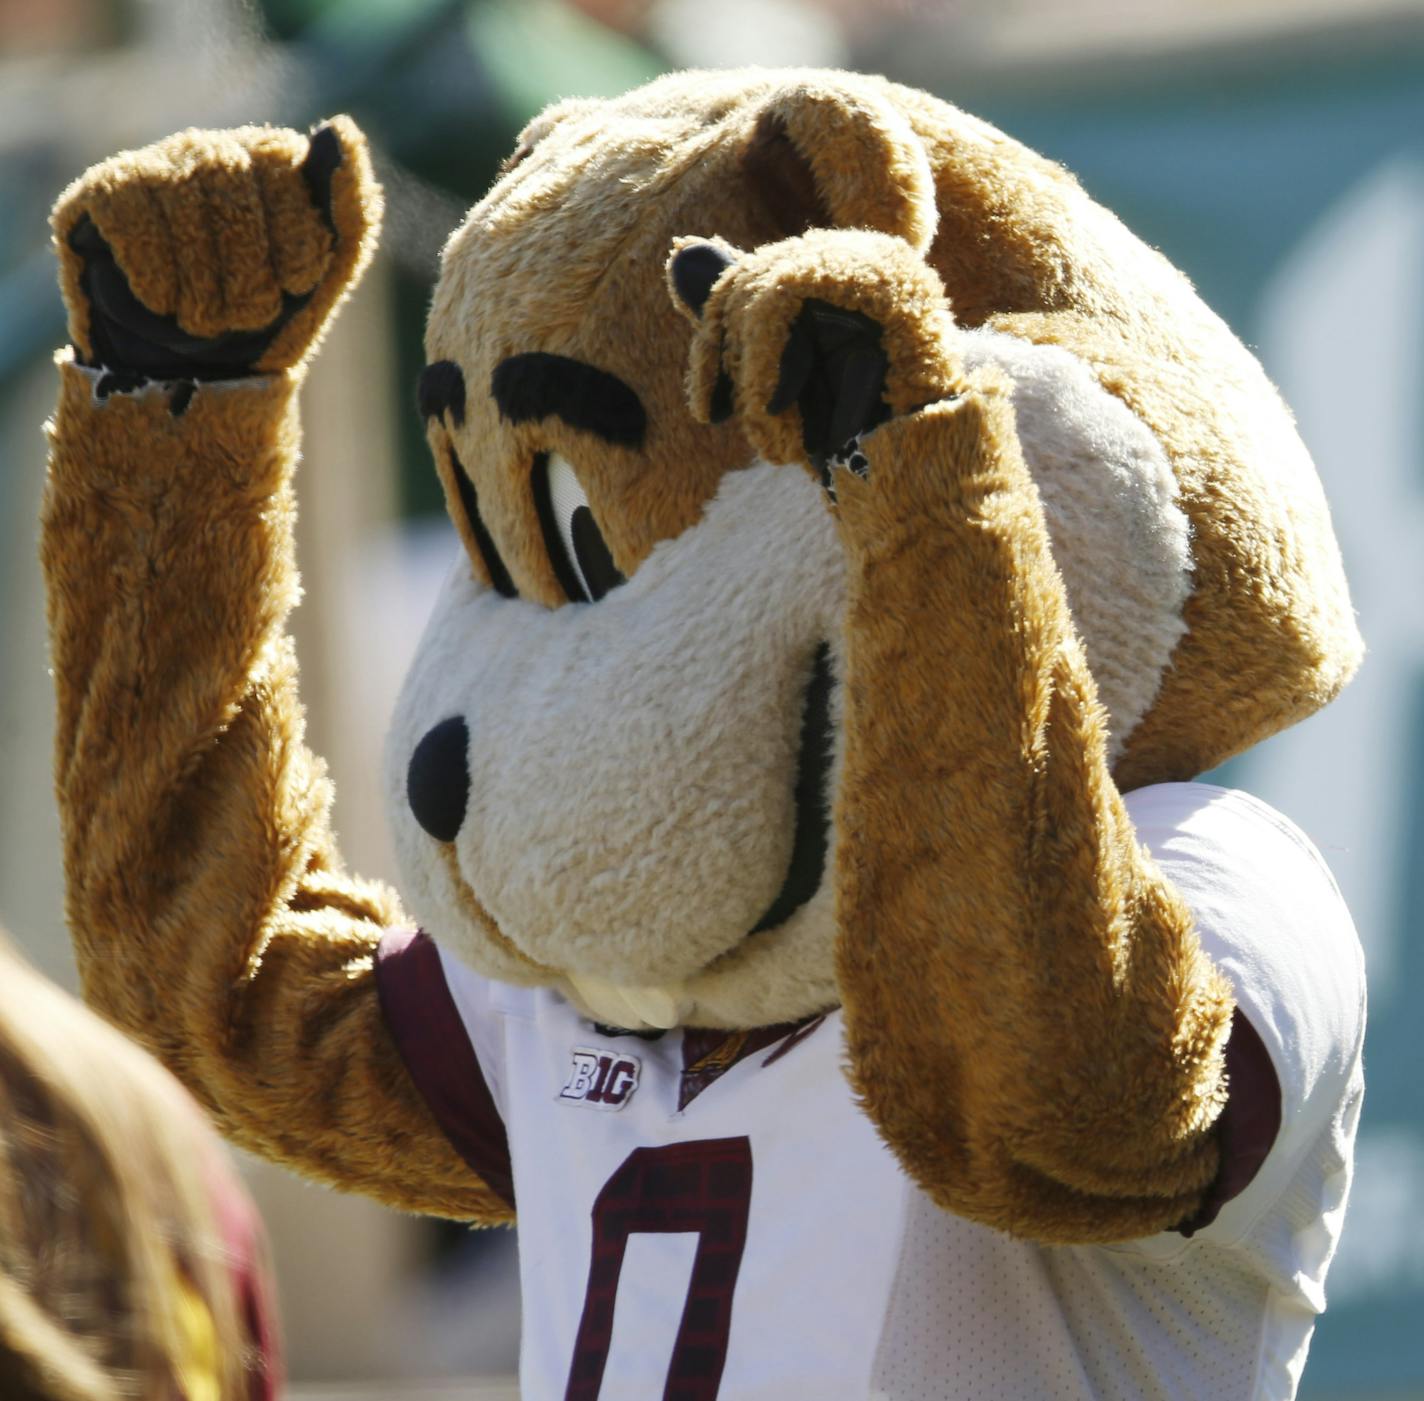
pixel 1274 149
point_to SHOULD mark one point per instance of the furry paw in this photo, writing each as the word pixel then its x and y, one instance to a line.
pixel 814 341
pixel 215 254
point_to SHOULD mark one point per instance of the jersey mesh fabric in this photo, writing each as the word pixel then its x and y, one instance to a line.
pixel 976 1315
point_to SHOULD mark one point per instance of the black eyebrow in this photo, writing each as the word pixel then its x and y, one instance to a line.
pixel 441 386
pixel 534 385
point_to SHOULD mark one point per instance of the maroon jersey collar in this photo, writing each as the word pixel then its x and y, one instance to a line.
pixel 708 1054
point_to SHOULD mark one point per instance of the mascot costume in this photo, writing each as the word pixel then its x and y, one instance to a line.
pixel 866 541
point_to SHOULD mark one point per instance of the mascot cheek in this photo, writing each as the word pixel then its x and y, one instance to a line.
pixel 612 786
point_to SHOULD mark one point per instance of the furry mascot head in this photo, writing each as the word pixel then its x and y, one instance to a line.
pixel 627 712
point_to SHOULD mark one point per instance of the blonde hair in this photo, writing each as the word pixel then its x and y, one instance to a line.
pixel 116 1279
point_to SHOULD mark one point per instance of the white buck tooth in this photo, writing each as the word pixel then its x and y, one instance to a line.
pixel 656 1006
pixel 636 1008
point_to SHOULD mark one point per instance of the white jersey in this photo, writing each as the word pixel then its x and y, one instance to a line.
pixel 746 1235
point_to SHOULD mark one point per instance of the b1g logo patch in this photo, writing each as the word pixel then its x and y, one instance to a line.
pixel 601 1079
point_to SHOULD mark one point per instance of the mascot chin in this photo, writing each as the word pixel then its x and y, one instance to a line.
pixel 807 914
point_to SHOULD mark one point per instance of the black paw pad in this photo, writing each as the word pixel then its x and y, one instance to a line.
pixel 129 339
pixel 324 155
pixel 833 369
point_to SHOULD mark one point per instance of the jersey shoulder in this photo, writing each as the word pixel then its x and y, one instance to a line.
pixel 432 1020
pixel 1270 915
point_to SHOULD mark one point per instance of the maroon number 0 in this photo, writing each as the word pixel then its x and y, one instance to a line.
pixel 703 1186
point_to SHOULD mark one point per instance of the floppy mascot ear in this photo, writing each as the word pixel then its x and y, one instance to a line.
pixel 828 158
pixel 814 157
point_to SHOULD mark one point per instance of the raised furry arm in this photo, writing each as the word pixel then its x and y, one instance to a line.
pixel 1032 1023
pixel 211 915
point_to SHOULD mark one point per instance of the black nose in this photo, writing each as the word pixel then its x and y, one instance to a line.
pixel 437 784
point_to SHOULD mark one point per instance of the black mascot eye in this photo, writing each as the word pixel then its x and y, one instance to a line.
pixel 577 549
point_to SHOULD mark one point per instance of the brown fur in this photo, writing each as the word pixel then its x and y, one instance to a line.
pixel 1032 1024
pixel 1031 1020
pixel 211 915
